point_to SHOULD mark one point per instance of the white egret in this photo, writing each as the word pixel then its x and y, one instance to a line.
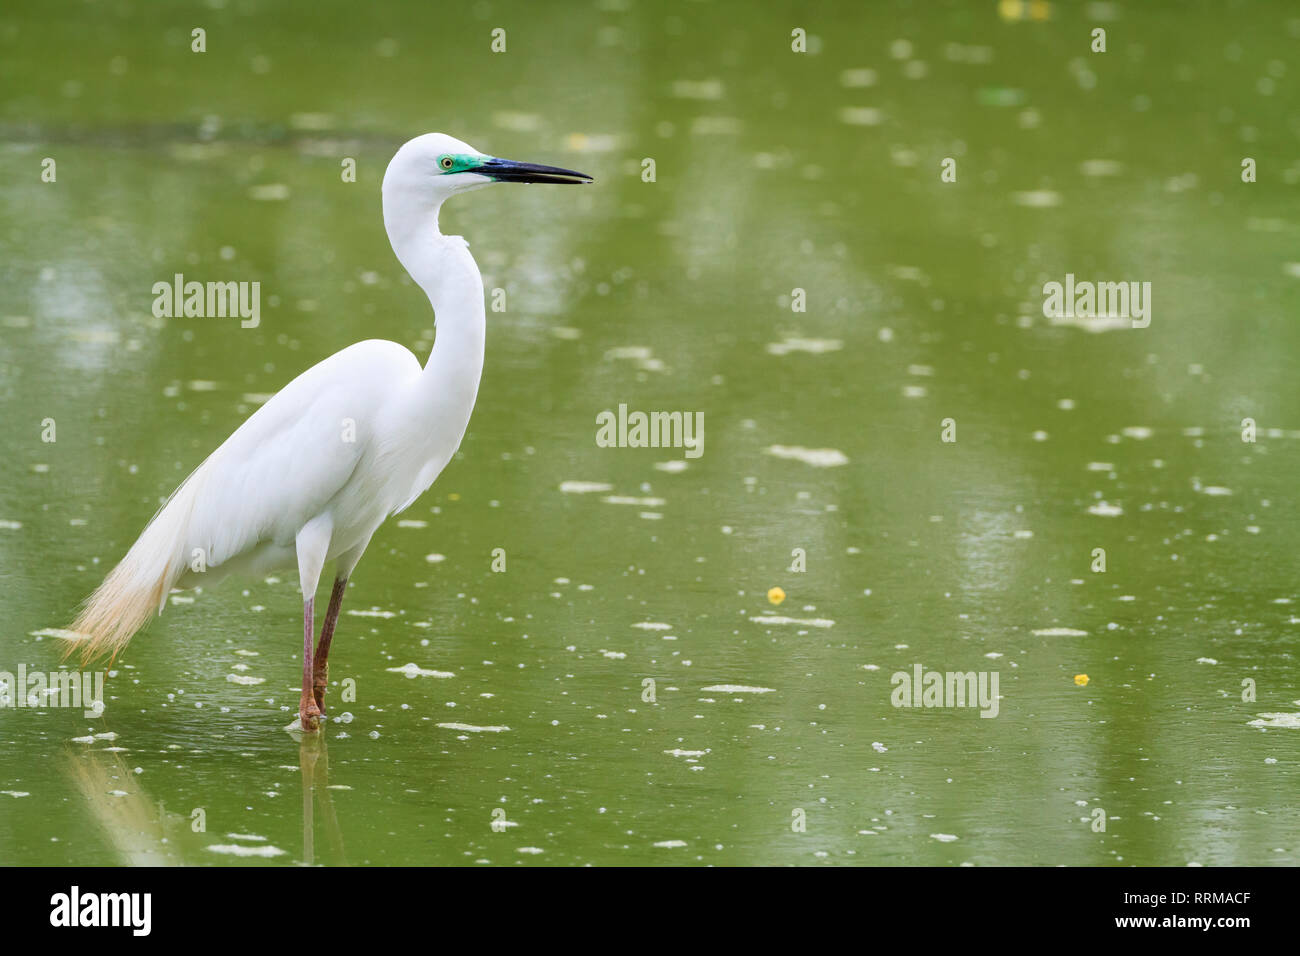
pixel 311 475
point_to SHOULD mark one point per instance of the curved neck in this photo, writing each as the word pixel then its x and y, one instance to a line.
pixel 443 267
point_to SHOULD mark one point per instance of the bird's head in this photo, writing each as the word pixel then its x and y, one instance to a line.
pixel 435 166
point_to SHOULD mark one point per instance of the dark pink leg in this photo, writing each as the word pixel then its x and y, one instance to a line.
pixel 320 673
pixel 308 712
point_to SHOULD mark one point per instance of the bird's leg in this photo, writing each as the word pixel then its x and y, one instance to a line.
pixel 320 672
pixel 308 712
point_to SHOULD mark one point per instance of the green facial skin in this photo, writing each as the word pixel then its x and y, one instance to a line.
pixel 460 163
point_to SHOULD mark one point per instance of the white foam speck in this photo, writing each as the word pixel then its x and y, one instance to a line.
pixel 857 78
pixel 738 689
pixel 1037 199
pixel 413 670
pixel 1105 509
pixel 1287 721
pixel 59 632
pixel 653 626
pixel 472 728
pixel 861 116
pixel 1094 323
pixel 269 192
pixel 942 837
pixel 1101 167
pixel 710 89
pixel 626 500
pixel 814 346
pixel 671 844
pixel 245 679
pixel 234 849
pixel 584 487
pixel 1059 632
pixel 805 621
pixel 817 457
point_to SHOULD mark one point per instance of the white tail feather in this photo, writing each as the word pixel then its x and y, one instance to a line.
pixel 131 592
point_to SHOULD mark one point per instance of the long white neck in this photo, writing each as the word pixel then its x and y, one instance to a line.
pixel 443 267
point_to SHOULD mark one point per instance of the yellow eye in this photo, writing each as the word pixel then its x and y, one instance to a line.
pixel 446 162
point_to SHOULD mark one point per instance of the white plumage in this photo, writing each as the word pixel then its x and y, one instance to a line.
pixel 311 475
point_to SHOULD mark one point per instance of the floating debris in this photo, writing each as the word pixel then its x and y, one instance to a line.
pixel 804 621
pixel 1101 167
pixel 1037 199
pixel 1081 680
pixel 234 849
pixel 269 192
pixel 473 729
pixel 1287 721
pixel 738 689
pixel 584 487
pixel 414 670
pixel 711 89
pixel 776 595
pixel 1094 323
pixel 817 457
pixel 861 116
pixel 858 78
pixel 813 346
pixel 60 633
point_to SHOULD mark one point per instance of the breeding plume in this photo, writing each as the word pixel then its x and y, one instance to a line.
pixel 311 475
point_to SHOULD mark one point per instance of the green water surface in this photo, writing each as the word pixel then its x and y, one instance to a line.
pixel 770 737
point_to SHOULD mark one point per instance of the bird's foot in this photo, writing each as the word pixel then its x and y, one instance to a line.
pixel 309 715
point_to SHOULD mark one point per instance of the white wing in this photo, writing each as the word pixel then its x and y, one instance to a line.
pixel 281 468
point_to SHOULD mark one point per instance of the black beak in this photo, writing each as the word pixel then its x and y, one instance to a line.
pixel 509 171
